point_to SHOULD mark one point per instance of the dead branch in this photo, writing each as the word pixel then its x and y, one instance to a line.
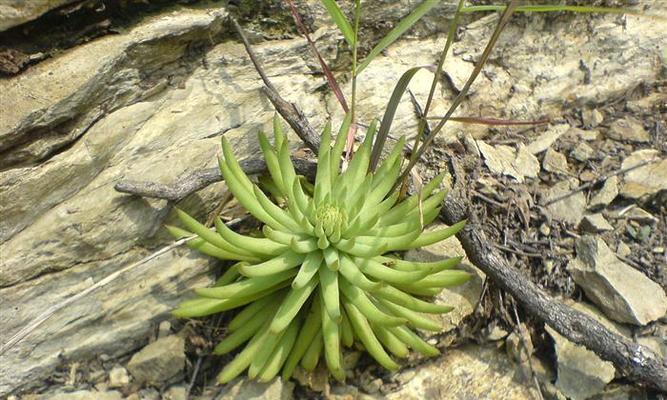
pixel 197 180
pixel 290 112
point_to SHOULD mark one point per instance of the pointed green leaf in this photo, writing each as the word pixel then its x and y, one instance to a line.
pixel 340 20
pixel 405 24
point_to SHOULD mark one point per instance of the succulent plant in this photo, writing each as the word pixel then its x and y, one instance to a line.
pixel 322 276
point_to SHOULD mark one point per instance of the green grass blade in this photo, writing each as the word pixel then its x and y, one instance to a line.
pixel 405 24
pixel 389 114
pixel 504 19
pixel 340 20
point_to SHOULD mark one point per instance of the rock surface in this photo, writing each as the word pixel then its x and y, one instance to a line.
pixel 13 13
pixel 545 140
pixel 581 373
pixel 469 372
pixel 504 160
pixel 158 362
pixel 606 194
pixel 628 129
pixel 555 162
pixel 250 390
pixel 647 180
pixel 595 223
pixel 569 209
pixel 118 377
pixel 83 395
pixel 622 292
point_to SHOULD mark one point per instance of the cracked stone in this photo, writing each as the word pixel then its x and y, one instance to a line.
pixel 159 362
pixel 554 162
pixel 504 160
pixel 452 376
pixel 595 223
pixel 628 129
pixel 647 180
pixel 618 289
pixel 591 118
pixel 571 208
pixel 606 194
pixel 118 377
pixel 582 152
pixel 545 140
pixel 245 389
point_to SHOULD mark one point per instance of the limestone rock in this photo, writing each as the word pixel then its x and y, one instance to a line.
pixel 545 140
pixel 178 392
pixel 595 223
pixel 526 163
pixel 606 194
pixel 73 91
pixel 13 13
pixel 622 293
pixel 118 377
pixel 591 117
pixel 647 180
pixel 570 209
pixel 159 362
pixel 623 249
pixel 582 152
pixel 82 395
pixel 628 129
pixel 252 390
pixel 581 373
pixel 554 162
pixel 468 372
pixel 504 160
pixel 348 392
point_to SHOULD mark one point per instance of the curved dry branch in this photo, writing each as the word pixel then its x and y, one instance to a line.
pixel 197 180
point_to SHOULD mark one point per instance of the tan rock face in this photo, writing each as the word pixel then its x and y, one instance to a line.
pixel 13 13
pixel 158 362
pixel 569 209
pixel 470 372
pixel 647 180
pixel 622 293
pixel 628 129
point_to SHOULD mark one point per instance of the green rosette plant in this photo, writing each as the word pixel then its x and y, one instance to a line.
pixel 323 277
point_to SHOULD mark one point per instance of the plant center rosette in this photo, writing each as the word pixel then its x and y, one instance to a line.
pixel 325 275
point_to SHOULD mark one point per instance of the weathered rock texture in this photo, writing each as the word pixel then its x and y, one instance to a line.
pixel 13 12
pixel 466 373
pixel 622 292
pixel 151 103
